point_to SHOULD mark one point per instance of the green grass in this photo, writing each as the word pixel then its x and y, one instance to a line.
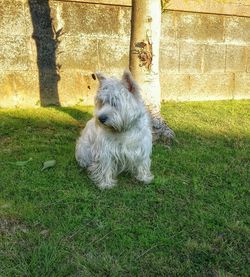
pixel 193 220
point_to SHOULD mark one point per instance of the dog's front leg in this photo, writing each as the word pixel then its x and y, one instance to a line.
pixel 103 173
pixel 143 172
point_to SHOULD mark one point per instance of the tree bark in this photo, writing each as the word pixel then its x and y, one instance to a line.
pixel 144 60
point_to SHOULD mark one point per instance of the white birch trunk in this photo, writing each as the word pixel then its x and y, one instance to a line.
pixel 144 49
pixel 144 59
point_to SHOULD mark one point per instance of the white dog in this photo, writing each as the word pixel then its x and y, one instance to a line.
pixel 118 138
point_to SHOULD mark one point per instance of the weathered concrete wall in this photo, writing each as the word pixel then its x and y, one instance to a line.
pixel 39 64
pixel 203 56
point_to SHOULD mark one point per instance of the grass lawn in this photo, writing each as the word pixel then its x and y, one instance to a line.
pixel 193 220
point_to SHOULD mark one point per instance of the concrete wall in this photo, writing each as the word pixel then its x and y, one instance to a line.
pixel 204 56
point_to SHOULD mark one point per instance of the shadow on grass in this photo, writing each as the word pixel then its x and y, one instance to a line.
pixel 52 132
pixel 27 122
pixel 14 120
pixel 76 113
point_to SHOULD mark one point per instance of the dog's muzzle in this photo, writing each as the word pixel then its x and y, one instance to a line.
pixel 102 118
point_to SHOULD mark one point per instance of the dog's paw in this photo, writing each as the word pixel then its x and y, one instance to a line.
pixel 146 179
pixel 106 185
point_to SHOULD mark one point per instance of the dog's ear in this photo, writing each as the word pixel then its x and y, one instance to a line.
pixel 100 76
pixel 129 82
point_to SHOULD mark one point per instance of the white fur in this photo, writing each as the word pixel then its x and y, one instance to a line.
pixel 124 141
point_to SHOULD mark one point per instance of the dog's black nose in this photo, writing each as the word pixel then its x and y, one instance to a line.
pixel 103 118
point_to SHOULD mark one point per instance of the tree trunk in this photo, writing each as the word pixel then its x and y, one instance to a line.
pixel 144 59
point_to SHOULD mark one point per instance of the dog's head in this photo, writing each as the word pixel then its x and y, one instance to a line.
pixel 118 104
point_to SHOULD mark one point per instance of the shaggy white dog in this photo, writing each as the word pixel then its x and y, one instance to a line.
pixel 118 138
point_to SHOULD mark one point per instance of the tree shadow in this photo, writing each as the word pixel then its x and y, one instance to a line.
pixel 46 43
pixel 76 113
pixel 47 120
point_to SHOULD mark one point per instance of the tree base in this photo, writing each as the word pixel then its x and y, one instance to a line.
pixel 160 130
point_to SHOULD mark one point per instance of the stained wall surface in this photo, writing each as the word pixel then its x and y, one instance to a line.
pixel 49 49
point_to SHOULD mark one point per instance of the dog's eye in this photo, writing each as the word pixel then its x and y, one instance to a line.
pixel 113 103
